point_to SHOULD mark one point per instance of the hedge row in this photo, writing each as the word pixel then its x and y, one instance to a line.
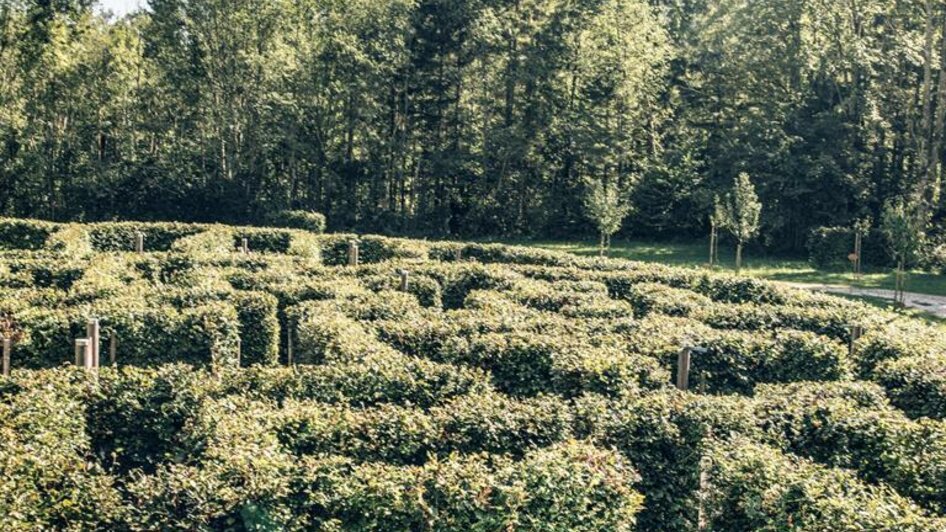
pixel 572 486
pixel 191 458
pixel 852 427
pixel 298 219
pixel 756 487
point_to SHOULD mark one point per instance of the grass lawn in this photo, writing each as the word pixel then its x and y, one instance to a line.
pixel 694 254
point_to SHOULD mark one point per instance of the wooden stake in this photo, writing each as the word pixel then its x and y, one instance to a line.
pixel 83 354
pixel 683 369
pixel 289 344
pixel 139 242
pixel 7 348
pixel 112 348
pixel 856 332
pixel 458 254
pixel 353 253
pixel 245 246
pixel 404 279
pixel 92 332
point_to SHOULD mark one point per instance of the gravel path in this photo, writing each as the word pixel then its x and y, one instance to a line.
pixel 933 304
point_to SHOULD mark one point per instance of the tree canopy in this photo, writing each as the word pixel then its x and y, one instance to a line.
pixel 475 117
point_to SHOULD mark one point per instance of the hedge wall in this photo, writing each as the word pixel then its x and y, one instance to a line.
pixel 504 388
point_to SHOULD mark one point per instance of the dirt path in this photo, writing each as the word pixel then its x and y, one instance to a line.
pixel 933 304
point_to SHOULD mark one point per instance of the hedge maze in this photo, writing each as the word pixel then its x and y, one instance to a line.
pixel 274 378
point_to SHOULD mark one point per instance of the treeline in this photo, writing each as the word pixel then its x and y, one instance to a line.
pixel 479 117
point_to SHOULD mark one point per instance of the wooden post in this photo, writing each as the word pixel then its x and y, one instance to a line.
pixel 83 353
pixel 404 280
pixel 92 333
pixel 245 245
pixel 353 253
pixel 112 348
pixel 712 250
pixel 7 348
pixel 458 254
pixel 289 329
pixel 139 242
pixel 857 253
pixel 856 333
pixel 683 369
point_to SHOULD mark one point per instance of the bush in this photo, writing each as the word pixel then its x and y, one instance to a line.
pixel 24 234
pixel 665 434
pixel 297 219
pixel 259 327
pixel 844 426
pixel 915 384
pixel 48 475
pixel 654 297
pixel 572 486
pixel 755 487
pixel 120 236
pixel 829 247
pixel 897 339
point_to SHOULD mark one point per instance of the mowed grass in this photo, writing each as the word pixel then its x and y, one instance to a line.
pixel 695 255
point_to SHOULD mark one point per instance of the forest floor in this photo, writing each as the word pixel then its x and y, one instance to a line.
pixel 926 291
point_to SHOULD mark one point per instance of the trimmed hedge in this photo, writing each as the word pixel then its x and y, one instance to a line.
pixel 829 247
pixel 18 233
pixel 852 428
pixel 756 487
pixel 298 219
pixel 568 487
pixel 458 403
pixel 917 384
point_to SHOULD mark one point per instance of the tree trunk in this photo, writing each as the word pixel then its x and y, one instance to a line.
pixel 601 245
pixel 738 257
pixel 712 246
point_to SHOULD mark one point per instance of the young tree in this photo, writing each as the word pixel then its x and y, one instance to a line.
pixel 740 213
pixel 607 206
pixel 902 225
pixel 717 222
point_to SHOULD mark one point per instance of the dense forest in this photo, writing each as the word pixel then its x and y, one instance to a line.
pixel 472 117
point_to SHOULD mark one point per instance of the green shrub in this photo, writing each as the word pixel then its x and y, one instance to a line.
pixel 121 236
pixel 495 424
pixel 755 487
pixel 654 297
pixel 298 219
pixel 916 384
pixel 24 234
pixel 259 327
pixel 245 480
pixel 383 377
pixel 48 475
pixel 900 338
pixel 283 241
pixel 71 240
pixel 841 429
pixel 135 416
pixel 735 362
pixel 212 241
pixel 834 322
pixel 829 247
pixel 665 434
